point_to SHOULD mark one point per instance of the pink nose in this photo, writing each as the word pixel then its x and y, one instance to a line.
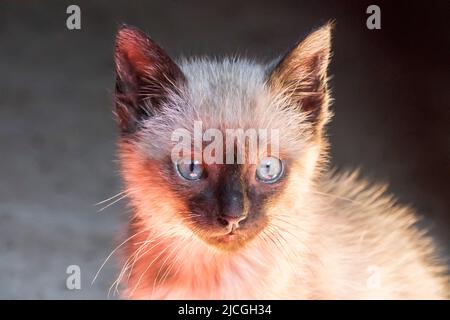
pixel 230 221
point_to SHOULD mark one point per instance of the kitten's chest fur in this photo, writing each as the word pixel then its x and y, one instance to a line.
pixel 201 273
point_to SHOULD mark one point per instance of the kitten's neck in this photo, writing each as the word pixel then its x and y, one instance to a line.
pixel 180 269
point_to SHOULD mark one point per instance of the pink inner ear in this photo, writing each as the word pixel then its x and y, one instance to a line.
pixel 143 72
pixel 134 54
pixel 137 49
pixel 144 56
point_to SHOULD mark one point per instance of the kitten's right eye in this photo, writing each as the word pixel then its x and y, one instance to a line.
pixel 269 170
pixel 189 170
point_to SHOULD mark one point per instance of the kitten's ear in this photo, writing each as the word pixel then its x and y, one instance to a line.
pixel 301 75
pixel 145 76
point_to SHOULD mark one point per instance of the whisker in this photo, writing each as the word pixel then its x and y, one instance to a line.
pixel 114 202
pixel 112 252
pixel 133 260
pixel 110 198
pixel 148 267
pixel 175 248
pixel 174 262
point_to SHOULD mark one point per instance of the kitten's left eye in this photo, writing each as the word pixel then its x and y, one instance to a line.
pixel 269 170
pixel 190 171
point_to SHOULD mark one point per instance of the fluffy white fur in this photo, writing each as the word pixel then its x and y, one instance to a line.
pixel 329 236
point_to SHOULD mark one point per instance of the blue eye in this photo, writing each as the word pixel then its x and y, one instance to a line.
pixel 190 170
pixel 269 170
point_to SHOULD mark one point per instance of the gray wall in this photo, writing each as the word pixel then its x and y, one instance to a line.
pixel 57 132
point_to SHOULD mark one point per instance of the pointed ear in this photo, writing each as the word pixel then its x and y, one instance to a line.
pixel 301 75
pixel 145 76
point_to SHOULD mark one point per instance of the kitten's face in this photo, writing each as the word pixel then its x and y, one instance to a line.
pixel 207 190
pixel 226 205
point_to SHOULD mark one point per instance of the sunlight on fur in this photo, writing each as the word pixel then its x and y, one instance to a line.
pixel 312 234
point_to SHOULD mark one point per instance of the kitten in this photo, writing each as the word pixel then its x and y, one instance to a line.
pixel 279 228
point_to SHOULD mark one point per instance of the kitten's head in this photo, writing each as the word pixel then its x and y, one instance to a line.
pixel 219 150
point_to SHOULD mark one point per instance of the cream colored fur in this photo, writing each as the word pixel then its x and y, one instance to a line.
pixel 329 236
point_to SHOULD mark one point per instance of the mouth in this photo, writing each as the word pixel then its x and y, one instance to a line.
pixel 229 237
pixel 230 241
pixel 232 238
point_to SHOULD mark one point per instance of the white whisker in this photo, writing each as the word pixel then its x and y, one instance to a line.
pixel 112 252
pixel 112 203
pixel 110 198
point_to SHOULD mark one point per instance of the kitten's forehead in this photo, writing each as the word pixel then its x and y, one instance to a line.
pixel 225 90
pixel 221 77
pixel 226 94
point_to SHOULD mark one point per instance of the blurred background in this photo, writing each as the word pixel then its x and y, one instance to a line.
pixel 57 133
